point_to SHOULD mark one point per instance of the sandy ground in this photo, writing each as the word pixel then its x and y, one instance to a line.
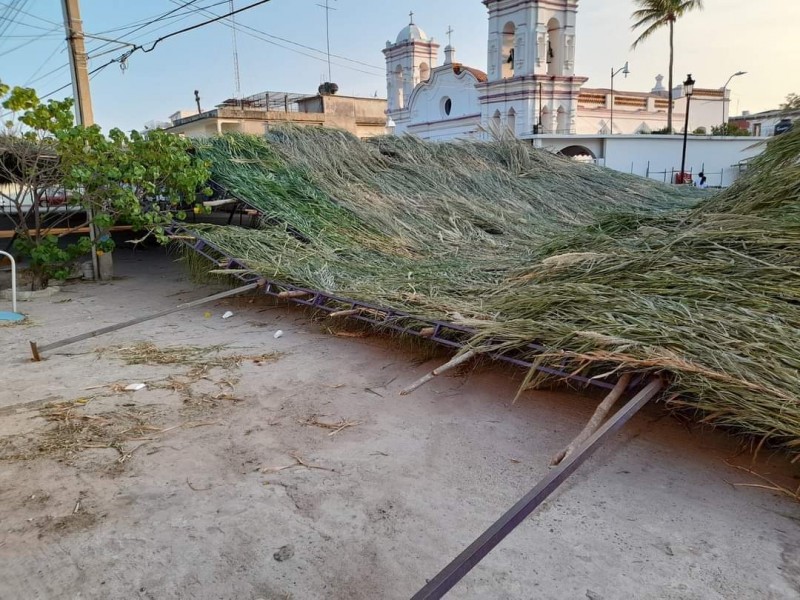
pixel 191 499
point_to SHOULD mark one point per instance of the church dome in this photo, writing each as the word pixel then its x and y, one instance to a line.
pixel 411 33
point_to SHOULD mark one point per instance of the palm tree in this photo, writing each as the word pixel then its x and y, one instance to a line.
pixel 652 16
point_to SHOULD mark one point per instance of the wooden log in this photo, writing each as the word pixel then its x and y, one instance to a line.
pixel 223 202
pixel 454 362
pixel 345 313
pixel 597 419
pixel 294 294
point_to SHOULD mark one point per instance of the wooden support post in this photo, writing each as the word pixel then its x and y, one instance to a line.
pixel 294 294
pixel 438 371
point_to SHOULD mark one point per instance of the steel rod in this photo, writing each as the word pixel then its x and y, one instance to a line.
pixel 455 571
pixel 36 350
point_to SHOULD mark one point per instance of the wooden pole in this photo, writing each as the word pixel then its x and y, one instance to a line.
pixel 36 350
pixel 597 418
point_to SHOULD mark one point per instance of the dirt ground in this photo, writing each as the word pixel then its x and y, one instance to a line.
pixel 293 468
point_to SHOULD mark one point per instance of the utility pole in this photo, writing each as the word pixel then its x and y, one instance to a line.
pixel 103 269
pixel 77 63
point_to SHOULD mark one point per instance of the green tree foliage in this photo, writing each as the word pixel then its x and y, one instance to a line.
pixel 144 180
pixel 729 129
pixel 653 15
pixel 792 102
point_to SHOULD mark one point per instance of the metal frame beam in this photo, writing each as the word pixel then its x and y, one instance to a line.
pixel 454 572
pixel 385 319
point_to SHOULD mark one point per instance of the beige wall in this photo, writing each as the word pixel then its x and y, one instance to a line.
pixel 363 117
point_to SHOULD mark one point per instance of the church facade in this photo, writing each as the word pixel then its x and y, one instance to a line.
pixel 529 87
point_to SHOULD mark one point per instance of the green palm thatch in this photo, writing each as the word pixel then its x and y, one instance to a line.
pixel 613 271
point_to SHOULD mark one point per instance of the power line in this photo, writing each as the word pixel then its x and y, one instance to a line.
pixel 27 14
pixel 138 26
pixel 124 57
pixel 46 60
pixel 23 44
pixel 259 33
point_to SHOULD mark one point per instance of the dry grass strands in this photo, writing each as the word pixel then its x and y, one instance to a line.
pixel 613 271
pixel 335 427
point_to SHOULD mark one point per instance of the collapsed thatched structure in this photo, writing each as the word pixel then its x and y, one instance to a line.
pixel 27 162
pixel 615 272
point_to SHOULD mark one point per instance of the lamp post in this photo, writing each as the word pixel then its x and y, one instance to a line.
pixel 724 99
pixel 688 89
pixel 624 70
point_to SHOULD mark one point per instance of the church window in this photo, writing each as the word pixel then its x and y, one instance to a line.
pixel 447 106
pixel 496 121
pixel 555 48
pixel 398 87
pixel 508 50
pixel 511 121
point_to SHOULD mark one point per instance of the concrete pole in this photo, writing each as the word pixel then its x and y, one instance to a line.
pixel 103 266
pixel 78 63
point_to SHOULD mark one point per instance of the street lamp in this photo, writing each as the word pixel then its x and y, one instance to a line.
pixel 624 70
pixel 724 90
pixel 688 89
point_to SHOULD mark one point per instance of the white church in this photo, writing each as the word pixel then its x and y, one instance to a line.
pixel 529 88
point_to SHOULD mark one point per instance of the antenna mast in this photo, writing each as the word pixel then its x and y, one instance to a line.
pixel 236 80
pixel 328 8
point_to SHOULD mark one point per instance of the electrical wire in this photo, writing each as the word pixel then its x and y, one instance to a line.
pixel 23 44
pixel 261 35
pixel 27 14
pixel 139 25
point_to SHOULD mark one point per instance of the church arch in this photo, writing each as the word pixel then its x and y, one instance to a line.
pixel 555 48
pixel 511 121
pixel 578 153
pixel 424 71
pixel 509 39
pixel 562 121
pixel 496 121
pixel 547 122
pixel 398 86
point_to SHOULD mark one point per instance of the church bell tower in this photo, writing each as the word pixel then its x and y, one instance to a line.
pixel 409 61
pixel 531 66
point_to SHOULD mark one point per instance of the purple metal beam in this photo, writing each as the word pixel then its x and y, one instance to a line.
pixel 455 571
pixel 446 334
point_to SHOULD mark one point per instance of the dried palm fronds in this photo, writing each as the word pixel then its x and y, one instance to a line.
pixel 614 272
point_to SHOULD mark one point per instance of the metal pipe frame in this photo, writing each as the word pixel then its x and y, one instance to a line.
pixel 382 318
pixel 13 280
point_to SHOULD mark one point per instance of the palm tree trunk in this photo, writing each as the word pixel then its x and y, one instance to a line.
pixel 671 64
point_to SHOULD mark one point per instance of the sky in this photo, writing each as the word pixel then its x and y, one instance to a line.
pixel 283 49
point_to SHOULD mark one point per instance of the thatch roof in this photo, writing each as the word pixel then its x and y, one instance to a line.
pixel 614 272
pixel 21 158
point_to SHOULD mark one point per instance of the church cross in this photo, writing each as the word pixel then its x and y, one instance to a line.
pixel 449 33
pixel 411 17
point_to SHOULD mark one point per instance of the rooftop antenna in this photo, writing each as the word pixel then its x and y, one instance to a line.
pixel 236 80
pixel 328 8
